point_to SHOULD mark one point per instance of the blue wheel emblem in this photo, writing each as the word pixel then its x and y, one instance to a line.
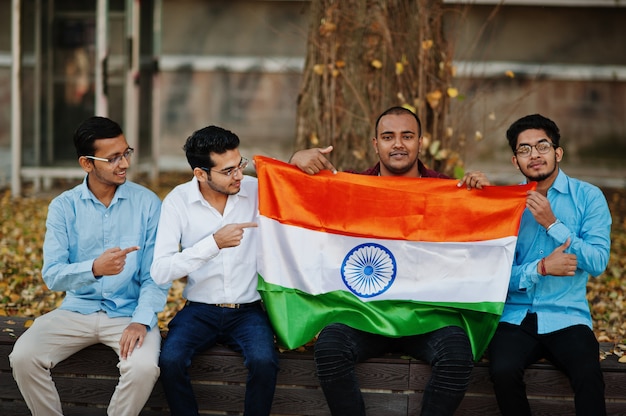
pixel 368 270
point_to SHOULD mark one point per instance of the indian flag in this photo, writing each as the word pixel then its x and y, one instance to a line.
pixel 392 256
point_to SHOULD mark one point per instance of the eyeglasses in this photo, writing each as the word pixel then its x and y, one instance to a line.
pixel 114 161
pixel 231 171
pixel 543 147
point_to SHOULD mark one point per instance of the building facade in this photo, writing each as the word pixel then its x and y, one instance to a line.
pixel 165 68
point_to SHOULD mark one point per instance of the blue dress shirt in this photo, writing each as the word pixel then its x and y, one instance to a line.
pixel 560 301
pixel 79 228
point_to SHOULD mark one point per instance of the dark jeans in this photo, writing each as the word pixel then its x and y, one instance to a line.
pixel 339 347
pixel 199 326
pixel 574 350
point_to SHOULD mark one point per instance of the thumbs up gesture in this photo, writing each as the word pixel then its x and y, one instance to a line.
pixel 560 263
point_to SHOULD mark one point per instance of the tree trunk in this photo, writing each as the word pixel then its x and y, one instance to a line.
pixel 366 56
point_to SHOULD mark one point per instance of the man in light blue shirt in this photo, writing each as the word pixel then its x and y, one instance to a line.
pixel 564 237
pixel 98 249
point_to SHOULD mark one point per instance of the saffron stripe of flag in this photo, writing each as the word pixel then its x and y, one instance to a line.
pixel 392 256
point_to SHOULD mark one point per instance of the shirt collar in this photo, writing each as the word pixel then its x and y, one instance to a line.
pixel 194 195
pixel 121 192
pixel 560 183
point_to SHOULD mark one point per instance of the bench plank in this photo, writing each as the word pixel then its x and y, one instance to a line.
pixel 392 385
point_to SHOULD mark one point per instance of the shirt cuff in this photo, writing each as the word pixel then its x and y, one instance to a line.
pixel 559 232
pixel 552 225
pixel 530 276
pixel 207 248
pixel 145 317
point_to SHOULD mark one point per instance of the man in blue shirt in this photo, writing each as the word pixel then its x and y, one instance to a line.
pixel 98 249
pixel 564 237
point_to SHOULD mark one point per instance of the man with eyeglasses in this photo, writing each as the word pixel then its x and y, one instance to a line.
pixel 98 249
pixel 207 233
pixel 564 237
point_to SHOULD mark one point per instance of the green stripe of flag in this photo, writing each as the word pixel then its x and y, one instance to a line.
pixel 298 317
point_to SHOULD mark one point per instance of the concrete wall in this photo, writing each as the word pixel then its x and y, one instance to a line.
pixel 568 63
pixel 231 63
pixel 237 64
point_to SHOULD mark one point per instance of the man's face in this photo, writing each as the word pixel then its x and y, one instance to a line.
pixel 218 179
pixel 398 144
pixel 106 173
pixel 537 166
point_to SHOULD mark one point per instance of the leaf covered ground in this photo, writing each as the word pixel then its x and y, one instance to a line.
pixel 23 293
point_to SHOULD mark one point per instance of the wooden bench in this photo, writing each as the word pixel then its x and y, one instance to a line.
pixel 392 385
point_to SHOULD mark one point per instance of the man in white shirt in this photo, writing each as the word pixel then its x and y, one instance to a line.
pixel 208 234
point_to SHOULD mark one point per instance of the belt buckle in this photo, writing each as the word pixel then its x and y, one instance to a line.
pixel 229 305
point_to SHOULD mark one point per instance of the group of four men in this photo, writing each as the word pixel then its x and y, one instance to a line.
pixel 115 249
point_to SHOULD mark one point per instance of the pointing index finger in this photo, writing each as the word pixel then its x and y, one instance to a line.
pixel 130 249
pixel 248 225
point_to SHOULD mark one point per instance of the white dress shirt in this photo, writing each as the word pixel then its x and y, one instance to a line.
pixel 185 245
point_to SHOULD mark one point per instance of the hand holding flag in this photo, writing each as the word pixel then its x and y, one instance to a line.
pixel 383 254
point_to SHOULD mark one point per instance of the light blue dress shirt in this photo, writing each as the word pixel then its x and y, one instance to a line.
pixel 560 301
pixel 79 228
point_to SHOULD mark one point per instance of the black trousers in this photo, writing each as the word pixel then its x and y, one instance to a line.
pixel 573 350
pixel 339 347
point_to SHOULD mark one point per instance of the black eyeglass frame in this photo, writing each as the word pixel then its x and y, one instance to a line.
pixel 542 151
pixel 243 163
